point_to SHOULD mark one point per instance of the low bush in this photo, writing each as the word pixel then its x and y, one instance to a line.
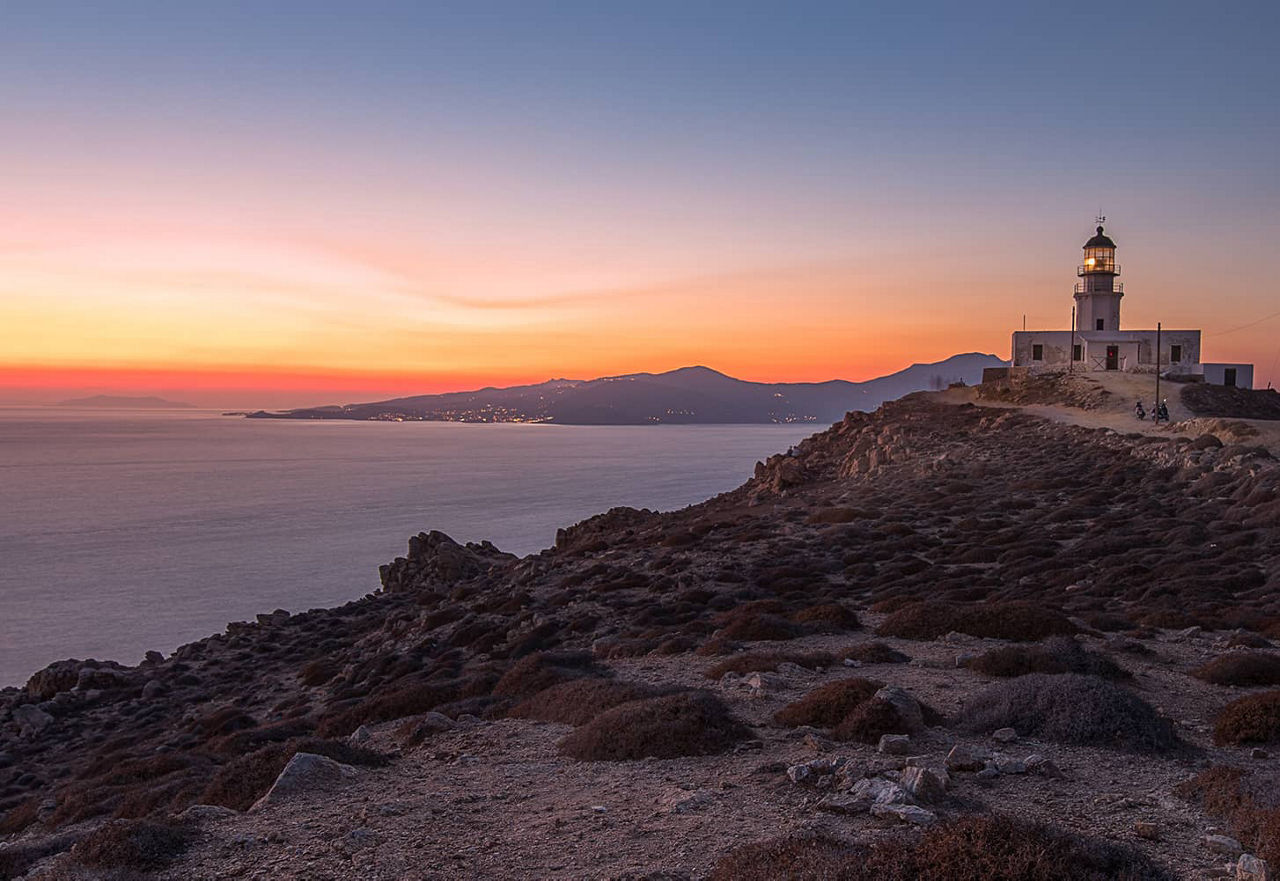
pixel 131 844
pixel 1071 709
pixel 760 627
pixel 405 700
pixel 1058 654
pixel 1254 718
pixel 1017 621
pixel 762 662
pixel 20 816
pixel 532 673
pixel 319 671
pixel 974 848
pixel 580 700
pixel 828 617
pixel 874 653
pixel 1241 668
pixel 244 780
pixel 869 721
pixel 795 858
pixel 686 724
pixel 1248 803
pixel 827 705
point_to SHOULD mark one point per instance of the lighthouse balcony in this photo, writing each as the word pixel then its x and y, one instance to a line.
pixel 1098 267
pixel 1117 287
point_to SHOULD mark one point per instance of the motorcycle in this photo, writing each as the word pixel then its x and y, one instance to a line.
pixel 1139 412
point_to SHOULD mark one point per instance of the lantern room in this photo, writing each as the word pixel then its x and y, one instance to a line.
pixel 1099 256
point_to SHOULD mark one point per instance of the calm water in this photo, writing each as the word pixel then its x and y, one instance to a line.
pixel 122 532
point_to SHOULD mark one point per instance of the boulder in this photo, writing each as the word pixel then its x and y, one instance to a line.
pixel 926 785
pixel 1251 868
pixel 58 676
pixel 908 707
pixel 895 744
pixel 1004 735
pixel 964 758
pixel 31 720
pixel 1223 844
pixel 916 816
pixel 305 772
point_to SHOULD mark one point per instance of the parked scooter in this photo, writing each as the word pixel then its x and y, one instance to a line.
pixel 1138 411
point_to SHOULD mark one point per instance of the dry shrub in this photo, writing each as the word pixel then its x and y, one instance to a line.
pixel 687 724
pixel 319 671
pixel 869 721
pixel 827 705
pixel 974 848
pixel 533 673
pixel 1058 654
pixel 20 816
pixel 1071 709
pixel 1254 718
pixel 1247 640
pixel 716 646
pixel 131 844
pixel 1017 621
pixel 581 700
pixel 828 617
pixel 244 780
pixel 767 662
pixel 407 700
pixel 873 653
pixel 1241 668
pixel 760 627
pixel 1249 803
pixel 16 859
pixel 795 858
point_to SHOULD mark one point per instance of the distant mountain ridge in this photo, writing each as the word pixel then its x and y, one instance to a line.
pixel 125 402
pixel 686 396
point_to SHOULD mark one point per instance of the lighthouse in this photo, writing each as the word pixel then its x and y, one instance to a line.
pixel 1096 342
pixel 1098 293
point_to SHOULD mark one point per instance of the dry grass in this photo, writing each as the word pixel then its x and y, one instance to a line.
pixel 827 705
pixel 874 653
pixel 532 673
pixel 1016 621
pixel 1058 654
pixel 1071 709
pixel 131 844
pixel 761 662
pixel 828 617
pixel 20 817
pixel 1241 668
pixel 579 701
pixel 1247 802
pixel 687 724
pixel 974 848
pixel 869 721
pixel 1254 718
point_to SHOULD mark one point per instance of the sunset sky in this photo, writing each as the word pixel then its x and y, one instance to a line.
pixel 273 204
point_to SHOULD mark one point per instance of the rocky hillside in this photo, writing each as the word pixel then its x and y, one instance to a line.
pixel 944 640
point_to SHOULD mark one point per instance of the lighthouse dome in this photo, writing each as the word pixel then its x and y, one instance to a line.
pixel 1101 240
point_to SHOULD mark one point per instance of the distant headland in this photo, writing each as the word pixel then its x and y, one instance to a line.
pixel 125 402
pixel 687 396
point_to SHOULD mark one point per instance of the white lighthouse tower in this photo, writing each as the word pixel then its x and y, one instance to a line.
pixel 1097 293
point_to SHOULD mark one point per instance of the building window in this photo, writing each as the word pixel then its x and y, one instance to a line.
pixel 1175 354
pixel 1076 354
pixel 1037 352
pixel 1100 324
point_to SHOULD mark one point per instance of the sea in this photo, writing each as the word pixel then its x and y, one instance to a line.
pixel 125 531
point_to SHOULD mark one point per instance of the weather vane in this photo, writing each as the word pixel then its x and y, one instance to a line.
pixel 1102 218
